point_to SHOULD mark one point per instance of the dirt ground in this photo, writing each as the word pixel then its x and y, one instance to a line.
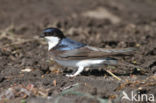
pixel 27 75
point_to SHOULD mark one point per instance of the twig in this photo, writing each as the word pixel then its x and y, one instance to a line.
pixel 71 86
pixel 113 75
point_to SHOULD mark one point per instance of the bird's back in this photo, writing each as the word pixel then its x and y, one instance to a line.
pixel 68 44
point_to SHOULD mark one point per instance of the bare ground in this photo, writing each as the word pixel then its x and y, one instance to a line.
pixel 101 23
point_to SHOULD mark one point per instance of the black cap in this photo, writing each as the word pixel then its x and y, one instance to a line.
pixel 52 32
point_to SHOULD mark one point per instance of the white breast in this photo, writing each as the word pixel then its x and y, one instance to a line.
pixel 52 41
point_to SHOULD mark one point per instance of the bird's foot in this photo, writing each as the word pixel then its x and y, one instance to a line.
pixel 80 69
pixel 70 75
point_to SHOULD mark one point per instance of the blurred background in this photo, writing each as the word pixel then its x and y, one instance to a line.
pixel 96 18
pixel 101 23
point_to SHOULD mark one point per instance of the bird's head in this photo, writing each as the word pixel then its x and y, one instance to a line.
pixel 53 36
pixel 52 32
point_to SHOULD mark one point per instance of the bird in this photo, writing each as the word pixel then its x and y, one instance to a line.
pixel 71 53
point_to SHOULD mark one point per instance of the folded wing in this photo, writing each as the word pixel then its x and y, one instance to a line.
pixel 89 52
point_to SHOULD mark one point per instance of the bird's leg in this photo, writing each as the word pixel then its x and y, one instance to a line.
pixel 80 69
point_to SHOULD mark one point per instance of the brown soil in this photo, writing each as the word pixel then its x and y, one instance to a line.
pixel 101 23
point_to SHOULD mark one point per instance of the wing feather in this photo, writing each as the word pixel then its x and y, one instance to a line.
pixel 89 52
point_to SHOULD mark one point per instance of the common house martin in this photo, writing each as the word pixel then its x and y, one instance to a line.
pixel 70 53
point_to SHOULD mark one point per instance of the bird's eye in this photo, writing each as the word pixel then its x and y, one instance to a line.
pixel 49 33
pixel 54 34
pixel 45 34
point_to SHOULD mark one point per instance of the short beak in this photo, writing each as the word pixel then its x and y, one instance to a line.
pixel 42 36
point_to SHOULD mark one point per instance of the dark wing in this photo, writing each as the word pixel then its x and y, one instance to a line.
pixel 89 52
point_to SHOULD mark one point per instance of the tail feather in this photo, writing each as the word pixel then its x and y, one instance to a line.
pixel 122 50
pixel 113 50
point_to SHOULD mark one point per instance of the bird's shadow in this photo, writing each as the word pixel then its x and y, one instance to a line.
pixel 99 73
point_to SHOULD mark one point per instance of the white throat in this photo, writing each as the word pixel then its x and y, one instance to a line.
pixel 52 41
